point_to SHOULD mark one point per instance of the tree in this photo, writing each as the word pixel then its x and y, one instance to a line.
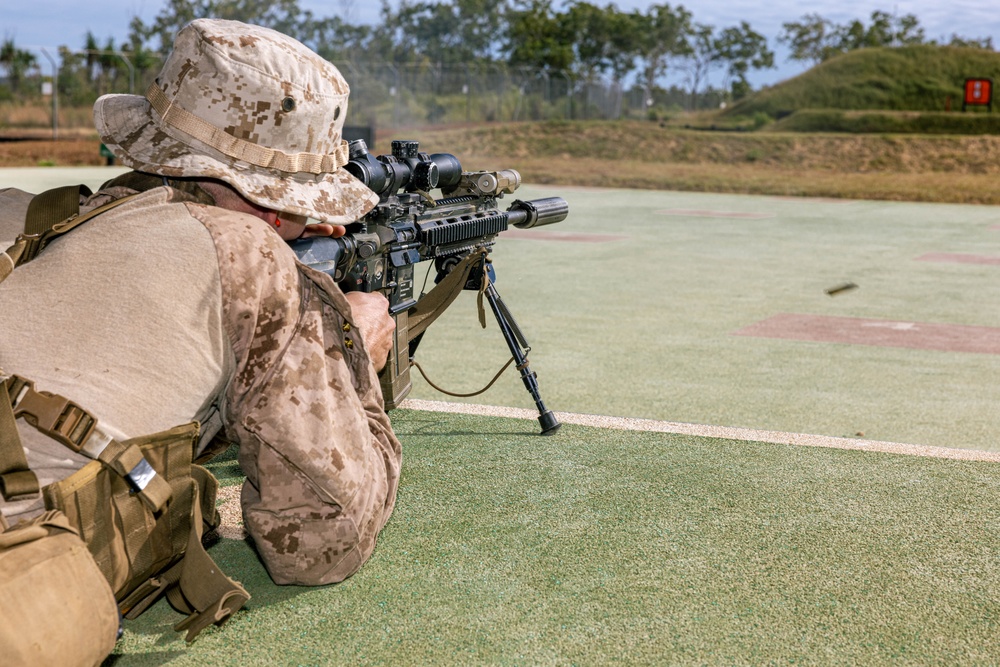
pixel 661 34
pixel 738 48
pixel 452 33
pixel 16 62
pixel 603 38
pixel 811 38
pixel 282 15
pixel 743 49
pixel 335 40
pixel 814 38
pixel 702 59
pixel 537 37
pixel 985 43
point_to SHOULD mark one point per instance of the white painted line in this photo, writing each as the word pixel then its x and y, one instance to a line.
pixel 229 496
pixel 725 432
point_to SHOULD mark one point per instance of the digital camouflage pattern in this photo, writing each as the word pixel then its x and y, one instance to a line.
pixel 249 106
pixel 321 460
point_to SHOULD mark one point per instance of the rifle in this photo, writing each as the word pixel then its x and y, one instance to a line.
pixel 408 226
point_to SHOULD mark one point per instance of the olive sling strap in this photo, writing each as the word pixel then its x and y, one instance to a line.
pixel 50 214
pixel 141 504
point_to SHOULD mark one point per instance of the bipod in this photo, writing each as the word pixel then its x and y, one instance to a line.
pixel 516 342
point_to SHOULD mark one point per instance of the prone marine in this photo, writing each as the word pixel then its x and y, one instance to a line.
pixel 177 313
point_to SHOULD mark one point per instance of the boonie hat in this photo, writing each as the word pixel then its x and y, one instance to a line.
pixel 249 106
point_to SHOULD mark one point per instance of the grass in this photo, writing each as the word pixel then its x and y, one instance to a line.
pixel 910 78
pixel 644 155
pixel 595 547
pixel 642 324
pixel 661 156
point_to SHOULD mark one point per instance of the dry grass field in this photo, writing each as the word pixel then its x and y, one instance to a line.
pixel 648 155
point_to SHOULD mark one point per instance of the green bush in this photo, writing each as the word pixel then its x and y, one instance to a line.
pixel 874 122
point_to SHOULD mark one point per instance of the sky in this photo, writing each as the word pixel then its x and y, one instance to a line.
pixel 51 23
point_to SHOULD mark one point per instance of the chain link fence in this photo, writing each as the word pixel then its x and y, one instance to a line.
pixel 383 95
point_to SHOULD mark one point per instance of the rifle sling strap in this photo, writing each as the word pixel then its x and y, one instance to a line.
pixel 438 299
pixel 50 214
pixel 16 479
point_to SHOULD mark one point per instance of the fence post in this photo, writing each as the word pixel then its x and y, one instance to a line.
pixel 395 93
pixel 468 92
pixel 131 73
pixel 55 94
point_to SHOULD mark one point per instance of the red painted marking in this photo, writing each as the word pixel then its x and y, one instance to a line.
pixel 820 200
pixel 959 258
pixel 881 333
pixel 997 227
pixel 700 213
pixel 561 236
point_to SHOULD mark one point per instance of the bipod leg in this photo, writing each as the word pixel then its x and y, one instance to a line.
pixel 515 340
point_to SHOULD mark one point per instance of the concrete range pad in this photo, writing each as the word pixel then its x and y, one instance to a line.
pixel 717 309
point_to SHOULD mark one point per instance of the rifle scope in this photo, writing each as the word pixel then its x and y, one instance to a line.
pixel 406 168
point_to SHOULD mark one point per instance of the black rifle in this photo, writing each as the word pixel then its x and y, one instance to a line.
pixel 407 227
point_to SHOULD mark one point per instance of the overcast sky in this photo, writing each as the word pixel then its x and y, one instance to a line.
pixel 52 23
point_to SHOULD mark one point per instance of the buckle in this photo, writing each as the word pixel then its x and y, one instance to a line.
pixel 33 244
pixel 52 414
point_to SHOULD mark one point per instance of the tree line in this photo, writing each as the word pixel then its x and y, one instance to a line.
pixel 578 39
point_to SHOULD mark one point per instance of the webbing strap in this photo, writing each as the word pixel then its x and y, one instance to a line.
pixel 47 209
pixel 16 479
pixel 430 307
pixel 129 463
pixel 6 265
pixel 42 223
pixel 207 595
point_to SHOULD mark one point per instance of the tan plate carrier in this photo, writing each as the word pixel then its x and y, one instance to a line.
pixel 140 505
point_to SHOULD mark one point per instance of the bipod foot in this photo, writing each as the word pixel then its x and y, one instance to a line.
pixel 549 423
pixel 515 341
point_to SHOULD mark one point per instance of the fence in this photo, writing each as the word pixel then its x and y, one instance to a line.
pixel 383 95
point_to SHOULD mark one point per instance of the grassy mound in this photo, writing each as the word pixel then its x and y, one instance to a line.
pixel 914 78
pixel 888 122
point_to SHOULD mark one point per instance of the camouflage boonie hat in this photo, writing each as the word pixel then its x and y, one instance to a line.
pixel 249 106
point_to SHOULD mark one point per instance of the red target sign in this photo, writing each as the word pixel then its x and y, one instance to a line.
pixel 978 92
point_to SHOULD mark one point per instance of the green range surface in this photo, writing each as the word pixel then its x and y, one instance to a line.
pixel 599 546
pixel 642 325
pixel 615 547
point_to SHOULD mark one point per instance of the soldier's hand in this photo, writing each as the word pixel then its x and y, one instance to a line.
pixel 371 315
pixel 291 227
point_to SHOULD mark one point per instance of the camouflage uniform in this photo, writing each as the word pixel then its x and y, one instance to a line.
pixel 301 399
pixel 294 385
pixel 321 460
